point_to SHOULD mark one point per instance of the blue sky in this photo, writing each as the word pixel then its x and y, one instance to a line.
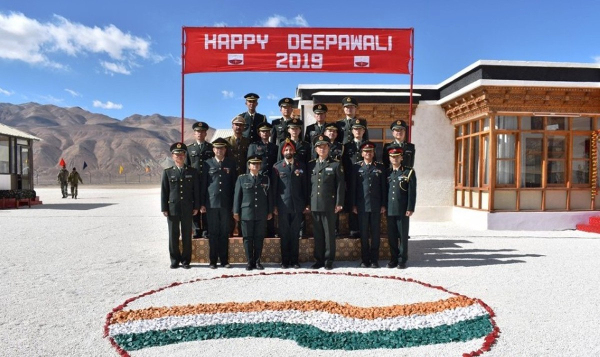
pixel 121 58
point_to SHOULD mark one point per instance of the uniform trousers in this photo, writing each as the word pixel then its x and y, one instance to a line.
pixel 324 232
pixel 64 187
pixel 398 231
pixel 218 234
pixel 289 232
pixel 180 224
pixel 253 232
pixel 369 221
pixel 200 223
pixel 74 191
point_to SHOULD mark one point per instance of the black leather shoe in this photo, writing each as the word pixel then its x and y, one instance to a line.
pixel 259 266
pixel 364 265
pixel 402 266
pixel 375 265
pixel 316 266
pixel 392 265
pixel 186 266
pixel 174 266
pixel 226 265
pixel 249 267
pixel 328 266
pixel 296 266
pixel 213 266
pixel 284 266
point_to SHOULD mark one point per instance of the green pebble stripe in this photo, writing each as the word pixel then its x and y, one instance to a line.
pixel 311 337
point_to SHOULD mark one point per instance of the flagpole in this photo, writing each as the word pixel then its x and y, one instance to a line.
pixel 182 79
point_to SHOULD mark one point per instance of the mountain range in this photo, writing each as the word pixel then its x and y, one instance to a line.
pixel 138 143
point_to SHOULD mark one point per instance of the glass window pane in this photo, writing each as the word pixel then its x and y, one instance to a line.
pixel 4 157
pixel 531 159
pixel 581 147
pixel 532 123
pixel 476 161
pixel 467 129
pixel 505 146
pixel 556 172
pixel 467 162
pixel 505 172
pixel 375 134
pixel 388 135
pixel 476 128
pixel 581 124
pixel 556 123
pixel 486 156
pixel 459 161
pixel 581 172
pixel 486 124
pixel 506 122
pixel 460 130
pixel 556 147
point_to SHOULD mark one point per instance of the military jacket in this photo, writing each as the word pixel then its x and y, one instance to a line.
pixel 280 130
pixel 326 185
pixel 314 130
pixel 252 122
pixel 290 186
pixel 238 153
pixel 252 197
pixel 218 183
pixel 63 176
pixel 268 153
pixel 345 130
pixel 351 155
pixel 302 151
pixel 408 158
pixel 368 186
pixel 180 191
pixel 402 191
pixel 196 155
pixel 74 178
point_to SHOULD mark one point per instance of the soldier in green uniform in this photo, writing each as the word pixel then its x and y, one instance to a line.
pixel 399 129
pixel 197 152
pixel 253 205
pixel 318 128
pixel 327 190
pixel 368 199
pixel 218 183
pixel 350 106
pixel 279 131
pixel 63 179
pixel 303 148
pixel 352 154
pixel 401 198
pixel 238 145
pixel 74 179
pixel 179 202
pixel 252 118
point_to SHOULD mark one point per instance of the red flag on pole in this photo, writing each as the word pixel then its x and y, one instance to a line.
pixel 62 162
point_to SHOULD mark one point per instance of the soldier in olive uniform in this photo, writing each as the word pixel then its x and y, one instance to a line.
pixel 253 205
pixel 252 118
pixel 218 183
pixel 399 131
pixel 290 188
pixel 345 125
pixel 279 131
pixel 63 179
pixel 238 145
pixel 402 195
pixel 74 179
pixel 327 190
pixel 179 201
pixel 352 154
pixel 303 148
pixel 369 200
pixel 198 152
pixel 318 128
pixel 336 149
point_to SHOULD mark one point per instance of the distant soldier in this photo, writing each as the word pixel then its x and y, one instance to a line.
pixel 74 179
pixel 253 206
pixel 218 183
pixel 399 129
pixel 402 196
pixel 63 179
pixel 198 152
pixel 326 190
pixel 318 128
pixel 345 125
pixel 368 202
pixel 279 131
pixel 179 202
pixel 290 193
pixel 252 118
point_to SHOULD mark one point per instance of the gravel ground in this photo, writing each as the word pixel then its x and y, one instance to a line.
pixel 67 263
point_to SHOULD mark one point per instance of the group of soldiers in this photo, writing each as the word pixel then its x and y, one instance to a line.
pixel 268 172
pixel 65 178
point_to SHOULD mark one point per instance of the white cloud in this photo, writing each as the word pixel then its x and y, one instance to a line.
pixel 272 96
pixel 597 59
pixel 111 68
pixel 107 105
pixel 6 92
pixel 220 24
pixel 72 92
pixel 28 40
pixel 227 94
pixel 282 21
pixel 51 99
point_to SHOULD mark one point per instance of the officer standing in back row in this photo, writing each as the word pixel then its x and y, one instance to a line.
pixel 198 152
pixel 252 118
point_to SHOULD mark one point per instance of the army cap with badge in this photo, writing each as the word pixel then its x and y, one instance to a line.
pixel 238 120
pixel 359 124
pixel 319 108
pixel 295 123
pixel 286 102
pixel 398 125
pixel 264 126
pixel 367 146
pixel 349 101
pixel 254 159
pixel 251 97
pixel 321 140
pixel 220 143
pixel 178 148
pixel 200 126
pixel 395 150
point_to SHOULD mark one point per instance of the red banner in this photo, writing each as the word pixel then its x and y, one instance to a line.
pixel 288 49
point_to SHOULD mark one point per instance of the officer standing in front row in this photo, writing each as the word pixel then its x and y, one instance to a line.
pixel 179 201
pixel 198 152
pixel 253 205
pixel 402 195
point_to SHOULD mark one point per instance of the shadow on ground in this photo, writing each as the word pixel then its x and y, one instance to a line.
pixel 71 206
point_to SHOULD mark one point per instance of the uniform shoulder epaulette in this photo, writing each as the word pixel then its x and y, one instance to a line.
pixel 243 175
pixel 313 160
pixel 379 162
pixel 192 143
